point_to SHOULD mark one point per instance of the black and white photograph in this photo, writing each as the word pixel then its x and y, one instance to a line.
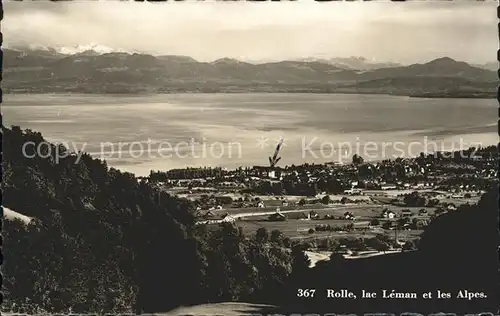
pixel 226 158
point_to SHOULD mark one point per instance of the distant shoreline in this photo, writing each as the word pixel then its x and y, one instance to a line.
pixel 485 95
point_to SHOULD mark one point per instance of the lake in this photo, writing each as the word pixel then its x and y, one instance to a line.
pixel 160 132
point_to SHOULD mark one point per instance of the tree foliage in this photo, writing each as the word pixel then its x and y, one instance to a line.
pixel 102 241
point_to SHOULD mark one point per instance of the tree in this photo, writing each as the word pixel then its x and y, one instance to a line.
pixel 384 238
pixel 312 189
pixel 408 246
pixel 379 243
pixel 402 221
pixel 357 159
pixel 326 199
pixel 432 202
pixel 261 235
pixel 415 199
pixel 277 236
pixel 287 242
pixel 374 222
pixel 224 200
pixel 349 227
pixel 300 261
pixel 387 225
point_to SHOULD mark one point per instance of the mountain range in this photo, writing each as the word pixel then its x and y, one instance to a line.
pixel 493 66
pixel 50 71
pixel 353 63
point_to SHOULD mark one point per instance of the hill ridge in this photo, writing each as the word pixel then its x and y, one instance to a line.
pixel 42 71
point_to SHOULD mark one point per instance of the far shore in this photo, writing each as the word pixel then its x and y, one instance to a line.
pixel 483 95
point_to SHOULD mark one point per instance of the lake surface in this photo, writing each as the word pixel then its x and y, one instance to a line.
pixel 160 132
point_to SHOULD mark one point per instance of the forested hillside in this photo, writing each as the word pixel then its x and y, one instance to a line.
pixel 102 241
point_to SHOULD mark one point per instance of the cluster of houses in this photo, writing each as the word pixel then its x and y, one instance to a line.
pixel 312 215
pixel 435 178
pixel 212 218
pixel 388 214
pixel 199 209
pixel 308 216
pixel 349 216
pixel 423 172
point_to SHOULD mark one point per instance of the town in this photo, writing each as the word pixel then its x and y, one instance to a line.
pixel 353 210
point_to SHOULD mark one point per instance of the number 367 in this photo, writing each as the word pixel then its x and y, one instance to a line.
pixel 305 292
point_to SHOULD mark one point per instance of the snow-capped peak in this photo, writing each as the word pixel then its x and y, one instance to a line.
pixel 100 49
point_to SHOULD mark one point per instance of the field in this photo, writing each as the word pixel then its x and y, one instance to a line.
pixel 251 219
pixel 298 229
pixel 369 206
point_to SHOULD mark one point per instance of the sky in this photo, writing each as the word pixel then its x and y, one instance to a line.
pixel 408 32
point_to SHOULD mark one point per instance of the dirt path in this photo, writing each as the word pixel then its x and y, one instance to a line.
pixel 13 215
pixel 226 309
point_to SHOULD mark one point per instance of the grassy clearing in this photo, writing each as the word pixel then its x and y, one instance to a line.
pixel 299 229
pixel 296 227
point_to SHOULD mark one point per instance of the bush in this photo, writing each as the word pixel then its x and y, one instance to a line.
pixel 409 246
pixel 326 199
pixel 387 225
pixel 415 199
pixel 374 222
pixel 277 236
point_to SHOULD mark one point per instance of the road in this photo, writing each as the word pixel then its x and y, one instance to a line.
pixel 13 215
pixel 315 257
pixel 306 210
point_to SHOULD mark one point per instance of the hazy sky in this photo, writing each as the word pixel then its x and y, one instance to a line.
pixel 401 32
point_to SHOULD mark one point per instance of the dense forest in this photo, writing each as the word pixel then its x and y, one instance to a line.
pixel 103 241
